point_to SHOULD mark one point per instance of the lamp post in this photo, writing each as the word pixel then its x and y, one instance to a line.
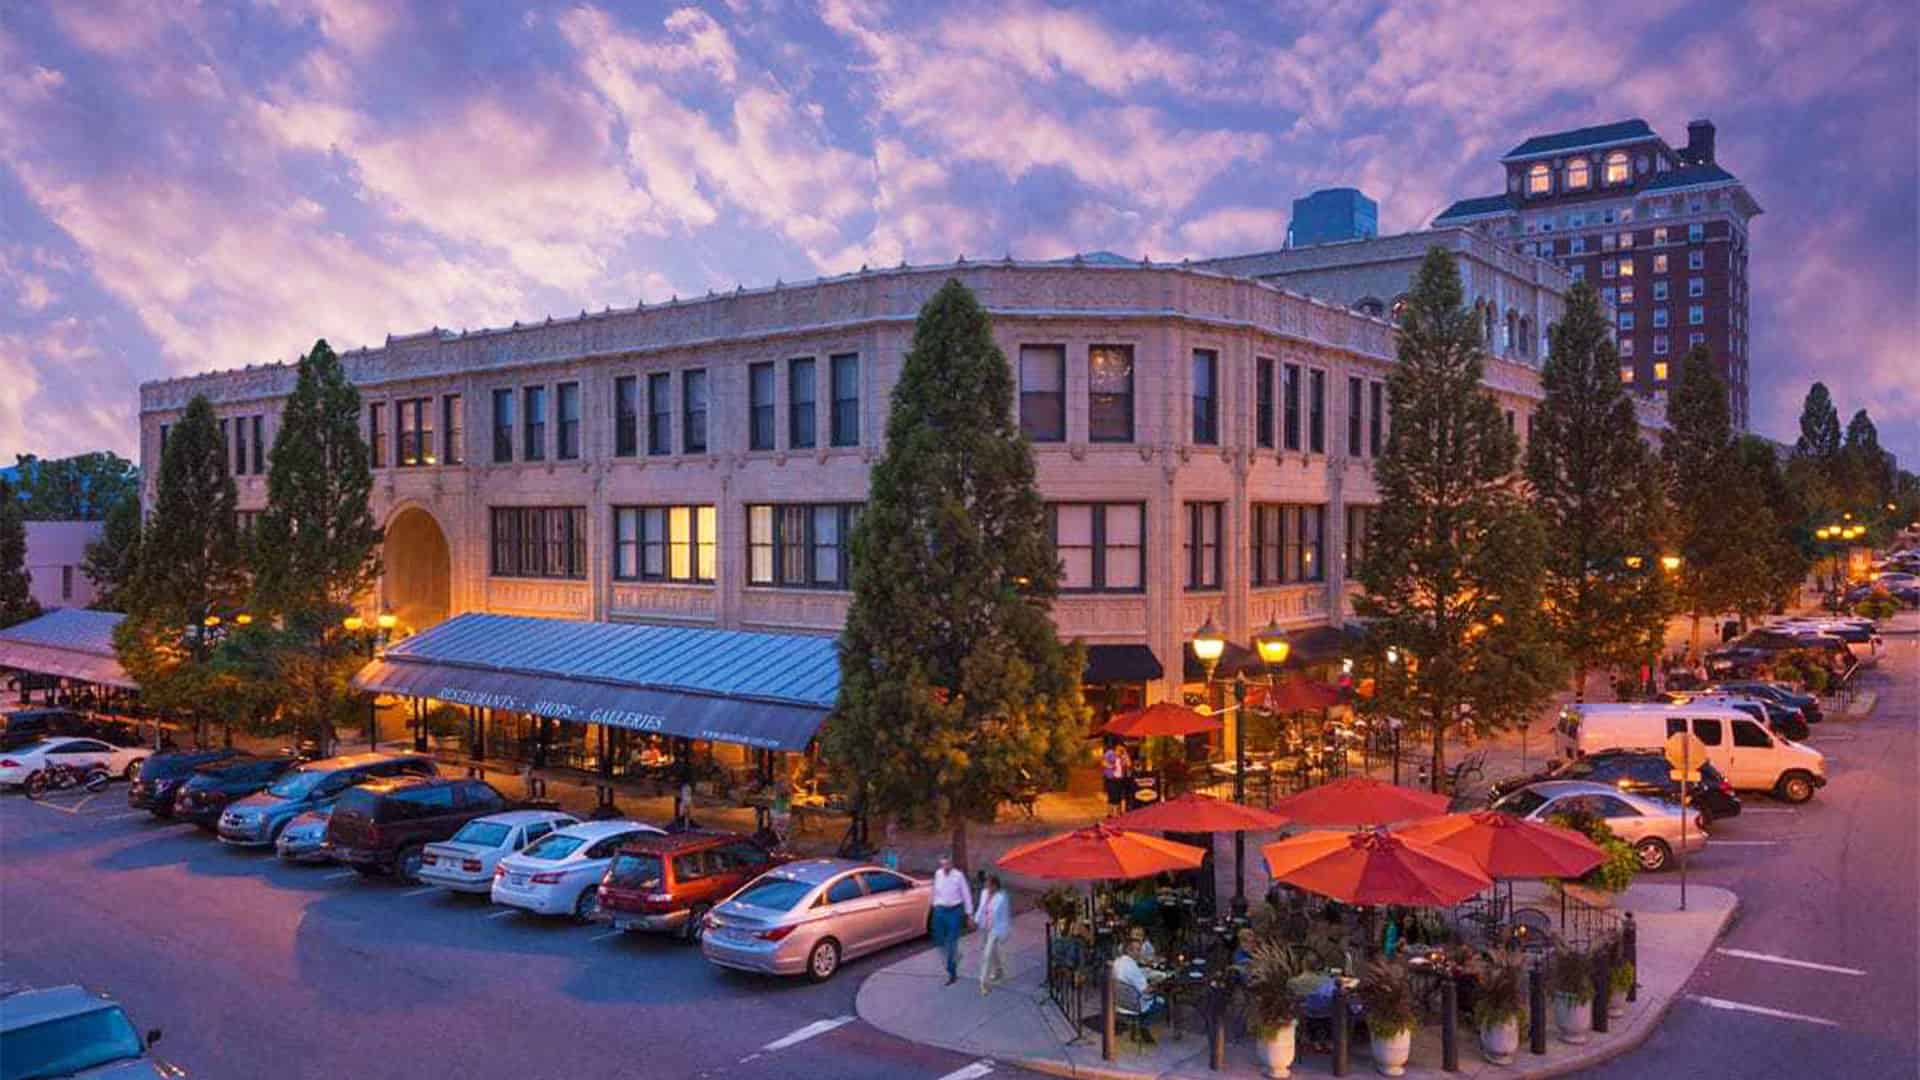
pixel 1270 641
pixel 1393 722
pixel 1208 646
pixel 384 624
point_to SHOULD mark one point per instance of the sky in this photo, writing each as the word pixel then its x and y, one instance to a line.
pixel 187 186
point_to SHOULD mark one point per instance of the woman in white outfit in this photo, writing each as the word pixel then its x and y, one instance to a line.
pixel 994 916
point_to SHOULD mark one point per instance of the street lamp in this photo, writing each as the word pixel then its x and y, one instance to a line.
pixel 1670 563
pixel 1394 723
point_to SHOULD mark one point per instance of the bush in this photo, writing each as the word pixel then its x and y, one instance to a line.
pixel 1501 995
pixel 1616 871
pixel 1621 980
pixel 1815 679
pixel 1387 996
pixel 1879 604
pixel 1570 972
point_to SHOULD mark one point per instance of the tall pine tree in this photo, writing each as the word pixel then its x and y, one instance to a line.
pixel 1819 425
pixel 17 604
pixel 953 682
pixel 1596 487
pixel 113 561
pixel 1456 560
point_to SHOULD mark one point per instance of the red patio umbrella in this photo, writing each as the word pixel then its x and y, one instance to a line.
pixel 1295 694
pixel 1099 853
pixel 1360 801
pixel 1375 867
pixel 1163 718
pixel 1509 847
pixel 1197 813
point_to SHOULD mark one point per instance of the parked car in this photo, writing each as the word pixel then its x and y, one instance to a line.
pixel 84 754
pixel 163 775
pixel 384 826
pixel 1756 653
pixel 72 1031
pixel 1650 826
pixel 1780 719
pixel 1641 772
pixel 304 840
pixel 1808 705
pixel 256 820
pixel 205 795
pixel 669 883
pixel 1859 634
pixel 808 917
pixel 465 863
pixel 1750 756
pixel 24 727
pixel 560 873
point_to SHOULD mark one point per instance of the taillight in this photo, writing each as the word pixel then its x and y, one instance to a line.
pixel 499 871
pixel 545 879
pixel 429 859
pixel 776 933
pixel 1726 786
pixel 8 763
pixel 471 866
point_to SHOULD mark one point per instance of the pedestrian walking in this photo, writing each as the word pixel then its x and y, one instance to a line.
pixel 995 919
pixel 952 899
pixel 1116 768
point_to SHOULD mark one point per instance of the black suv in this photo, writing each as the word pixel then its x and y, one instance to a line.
pixel 381 826
pixel 205 795
pixel 1640 772
pixel 27 726
pixel 162 775
pixel 1808 705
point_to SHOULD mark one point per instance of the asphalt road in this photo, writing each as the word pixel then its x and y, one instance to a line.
pixel 254 968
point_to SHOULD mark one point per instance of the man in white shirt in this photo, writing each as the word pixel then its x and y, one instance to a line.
pixel 952 899
pixel 995 919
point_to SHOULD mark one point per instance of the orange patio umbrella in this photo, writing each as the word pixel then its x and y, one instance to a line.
pixel 1099 853
pixel 1509 847
pixel 1162 718
pixel 1196 813
pixel 1360 801
pixel 1375 867
pixel 1295 694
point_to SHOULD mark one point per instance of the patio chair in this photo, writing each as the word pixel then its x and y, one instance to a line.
pixel 1136 1011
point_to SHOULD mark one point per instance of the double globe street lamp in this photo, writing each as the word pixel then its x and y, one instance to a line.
pixel 1209 645
pixel 384 623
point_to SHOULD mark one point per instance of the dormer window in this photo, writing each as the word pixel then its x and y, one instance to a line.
pixel 1539 179
pixel 1617 172
pixel 1577 174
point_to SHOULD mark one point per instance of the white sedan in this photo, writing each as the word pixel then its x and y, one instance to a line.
pixel 560 873
pixel 83 754
pixel 466 862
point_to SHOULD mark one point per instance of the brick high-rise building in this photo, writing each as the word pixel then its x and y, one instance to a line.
pixel 1661 232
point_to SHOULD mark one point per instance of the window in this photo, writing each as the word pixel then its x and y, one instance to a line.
pixel 1100 546
pixel 1608 267
pixel 164 429
pixel 1610 294
pixel 1317 411
pixel 1617 172
pixel 1376 417
pixel 1626 320
pixel 1043 392
pixel 1696 260
pixel 239 445
pixel 660 413
pixel 1206 396
pixel 1110 393
pixel 1578 272
pixel 1749 734
pixel 502 425
pixel 1359 526
pixel 845 408
pixel 1203 545
pixel 1659 344
pixel 664 543
pixel 1626 346
pixel 1626 294
pixel 539 541
pixel 1578 245
pixel 377 426
pixel 847 888
pixel 693 411
pixel 1626 240
pixel 1660 290
pixel 1696 233
pixel 1539 179
pixel 1626 373
pixel 1696 314
pixel 1290 405
pixel 1286 543
pixel 1578 173
pixel 1660 235
pixel 800 391
pixel 569 432
pixel 1696 287
pixel 1659 371
pixel 800 545
pixel 760 406
pixel 415 419
pixel 1626 267
pixel 453 435
pixel 1696 339
pixel 1707 730
pixel 1659 317
pixel 534 424
pixel 1355 417
pixel 1263 402
pixel 66 583
pixel 626 416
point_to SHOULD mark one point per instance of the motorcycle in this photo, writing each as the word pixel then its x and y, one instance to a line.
pixel 65 777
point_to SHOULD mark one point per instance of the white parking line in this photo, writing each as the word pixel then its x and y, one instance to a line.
pixel 421 892
pixel 1744 843
pixel 971 1072
pixel 504 914
pixel 122 817
pixel 1778 1014
pixel 341 876
pixel 1769 810
pixel 608 934
pixel 1789 961
pixel 818 1027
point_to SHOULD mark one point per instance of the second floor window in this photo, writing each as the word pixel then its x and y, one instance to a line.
pixel 660 413
pixel 259 447
pixel 1110 393
pixel 1377 417
pixel 693 411
pixel 569 431
pixel 1203 552
pixel 539 541
pixel 1286 543
pixel 1263 402
pixel 1290 406
pixel 1355 418
pixel 1359 524
pixel 664 543
pixel 503 425
pixel 1317 411
pixel 626 416
pixel 453 434
pixel 845 417
pixel 377 428
pixel 416 431
pixel 534 425
pixel 1206 396
pixel 1101 546
pixel 1043 392
pixel 800 545
pixel 239 445
pixel 801 419
pixel 760 406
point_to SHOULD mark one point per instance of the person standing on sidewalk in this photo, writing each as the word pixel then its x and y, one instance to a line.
pixel 1116 767
pixel 994 916
pixel 952 899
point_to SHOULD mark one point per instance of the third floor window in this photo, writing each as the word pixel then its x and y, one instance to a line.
pixel 1110 393
pixel 693 411
pixel 1206 396
pixel 534 424
pixel 845 418
pixel 800 395
pixel 502 425
pixel 1043 392
pixel 660 413
pixel 760 379
pixel 569 430
pixel 1263 391
pixel 626 416
pixel 415 419
pixel 1317 411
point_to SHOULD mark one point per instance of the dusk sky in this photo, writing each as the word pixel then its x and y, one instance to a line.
pixel 188 186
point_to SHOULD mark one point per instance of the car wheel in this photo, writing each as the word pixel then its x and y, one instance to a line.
pixel 695 925
pixel 587 903
pixel 35 785
pixel 132 771
pixel 407 865
pixel 823 960
pixel 1653 854
pixel 1796 787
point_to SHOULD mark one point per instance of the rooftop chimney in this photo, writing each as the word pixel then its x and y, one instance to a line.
pixel 1699 149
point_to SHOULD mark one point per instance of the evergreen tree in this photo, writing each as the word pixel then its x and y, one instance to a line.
pixel 17 604
pixel 1868 476
pixel 953 682
pixel 1788 543
pixel 1455 563
pixel 113 561
pixel 1819 425
pixel 1596 488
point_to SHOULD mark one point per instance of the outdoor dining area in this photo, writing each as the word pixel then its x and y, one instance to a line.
pixel 1384 914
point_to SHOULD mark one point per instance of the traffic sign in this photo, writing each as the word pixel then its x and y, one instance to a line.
pixel 1686 753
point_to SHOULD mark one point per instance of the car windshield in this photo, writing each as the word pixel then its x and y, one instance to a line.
pixel 297 785
pixel 482 834
pixel 68 1045
pixel 554 846
pixel 774 893
pixel 636 871
pixel 1521 803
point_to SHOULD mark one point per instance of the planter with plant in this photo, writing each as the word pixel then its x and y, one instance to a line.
pixel 1570 979
pixel 1616 871
pixel 1387 996
pixel 1619 983
pixel 1272 1006
pixel 1500 1002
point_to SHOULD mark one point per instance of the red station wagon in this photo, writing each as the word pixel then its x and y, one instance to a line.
pixel 668 883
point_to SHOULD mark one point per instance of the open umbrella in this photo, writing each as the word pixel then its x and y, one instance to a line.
pixel 1375 867
pixel 1359 801
pixel 1295 694
pixel 1195 813
pixel 1099 853
pixel 1161 718
pixel 1509 847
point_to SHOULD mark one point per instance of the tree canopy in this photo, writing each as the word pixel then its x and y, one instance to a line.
pixel 84 487
pixel 16 586
pixel 113 562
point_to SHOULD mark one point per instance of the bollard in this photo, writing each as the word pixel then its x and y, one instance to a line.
pixel 1536 1010
pixel 1216 1028
pixel 1450 1025
pixel 1341 1023
pixel 1602 988
pixel 1630 952
pixel 1106 1015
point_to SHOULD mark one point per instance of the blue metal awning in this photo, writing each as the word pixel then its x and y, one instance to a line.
pixel 765 690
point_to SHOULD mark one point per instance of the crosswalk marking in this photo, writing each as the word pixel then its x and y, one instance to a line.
pixel 1789 961
pixel 818 1027
pixel 1761 1010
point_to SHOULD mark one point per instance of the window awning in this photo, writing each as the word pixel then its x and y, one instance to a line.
pixel 1122 664
pixel 769 691
pixel 73 643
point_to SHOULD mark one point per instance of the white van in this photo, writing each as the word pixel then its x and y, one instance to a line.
pixel 1751 757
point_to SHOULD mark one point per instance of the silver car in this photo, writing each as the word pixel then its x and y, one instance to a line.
pixel 302 841
pixel 1651 826
pixel 806 917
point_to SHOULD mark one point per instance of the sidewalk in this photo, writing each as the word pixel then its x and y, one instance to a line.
pixel 1018 1025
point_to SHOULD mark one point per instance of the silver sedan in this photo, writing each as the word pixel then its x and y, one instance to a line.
pixel 1651 826
pixel 807 917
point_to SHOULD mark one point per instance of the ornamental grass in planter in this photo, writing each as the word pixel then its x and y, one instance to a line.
pixel 1570 980
pixel 1273 1009
pixel 1386 994
pixel 1619 983
pixel 1500 1003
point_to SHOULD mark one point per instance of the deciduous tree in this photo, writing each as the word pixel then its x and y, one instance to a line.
pixel 16 586
pixel 84 487
pixel 113 561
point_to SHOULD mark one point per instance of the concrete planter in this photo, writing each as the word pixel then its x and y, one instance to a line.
pixel 1574 1017
pixel 1277 1050
pixel 1501 1041
pixel 1390 1054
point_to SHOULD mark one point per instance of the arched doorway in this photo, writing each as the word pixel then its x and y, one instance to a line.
pixel 418 570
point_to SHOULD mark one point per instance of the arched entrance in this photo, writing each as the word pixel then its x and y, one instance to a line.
pixel 418 570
